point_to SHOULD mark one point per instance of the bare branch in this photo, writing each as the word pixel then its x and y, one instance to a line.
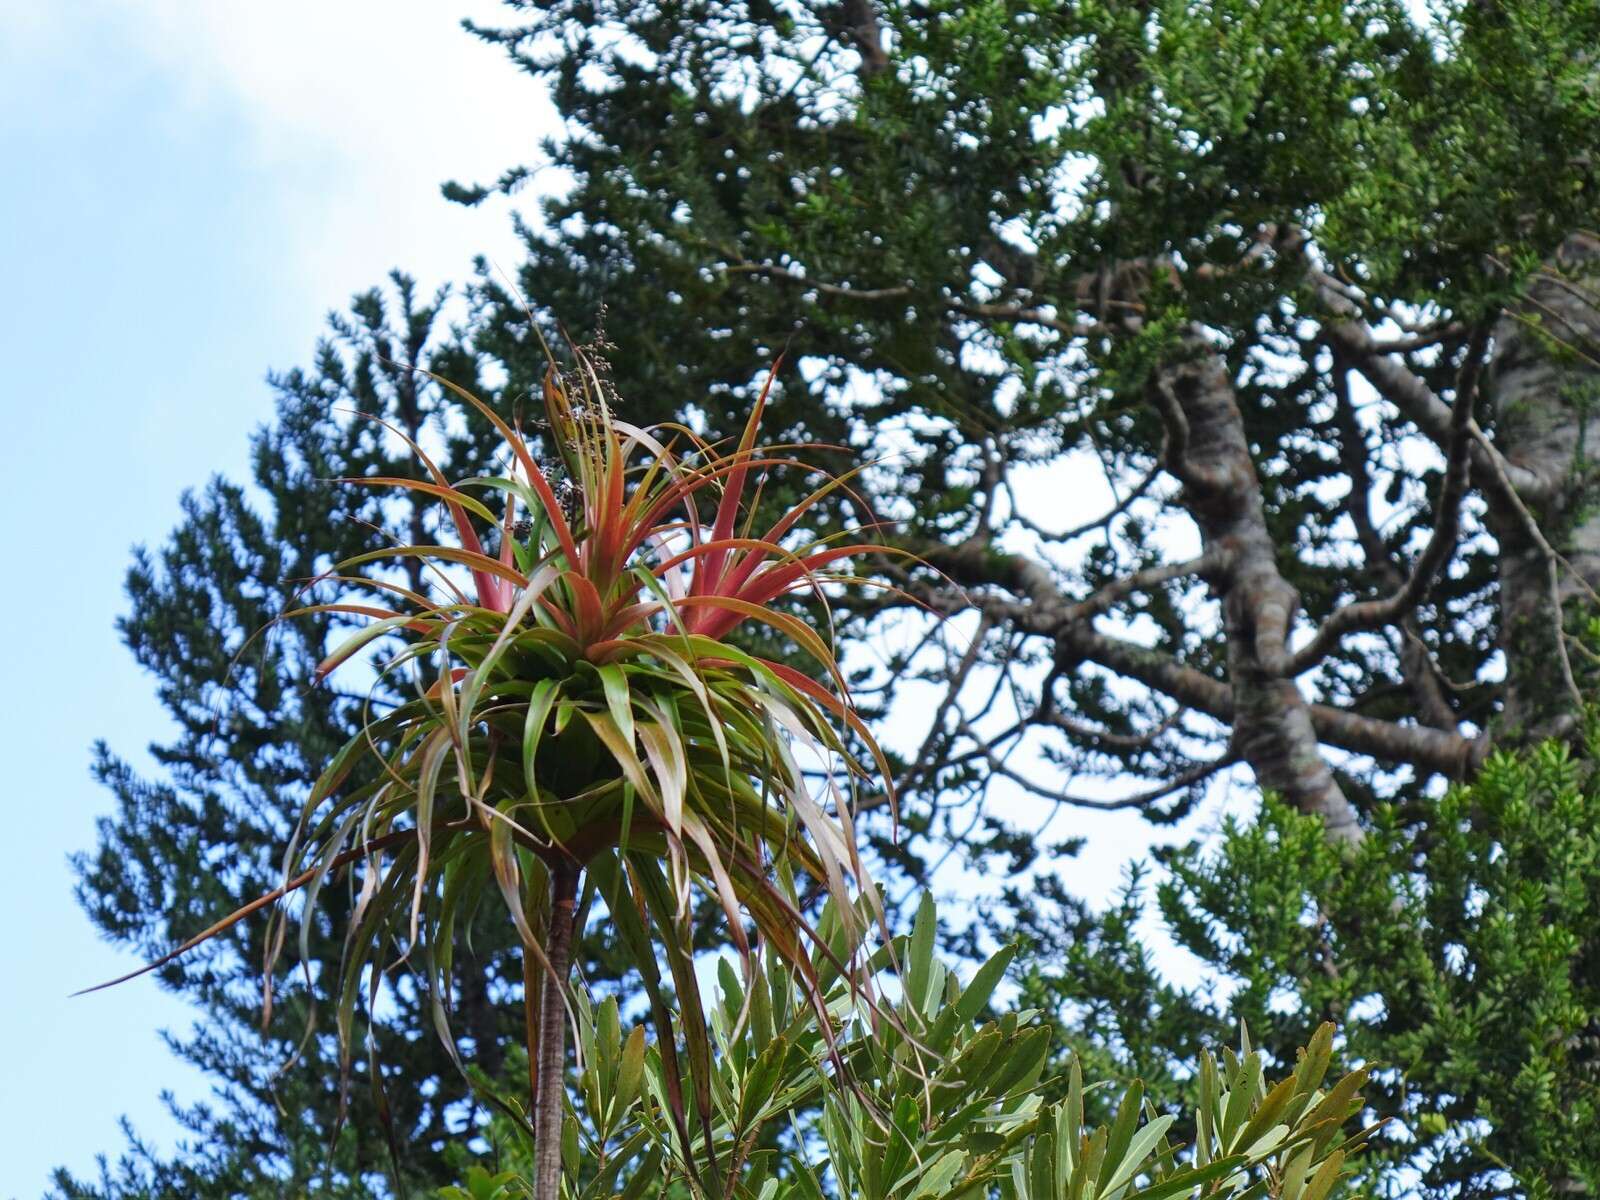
pixel 958 680
pixel 1413 397
pixel 1374 614
pixel 1048 714
pixel 1040 610
pixel 1530 525
pixel 1435 335
pixel 1191 778
pixel 1139 581
pixel 1011 313
pixel 1016 314
pixel 1078 531
pixel 784 275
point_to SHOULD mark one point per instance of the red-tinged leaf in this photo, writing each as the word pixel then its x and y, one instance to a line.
pixel 446 492
pixel 738 576
pixel 507 537
pixel 454 676
pixel 610 520
pixel 536 477
pixel 680 958
pixel 727 894
pixel 255 906
pixel 589 618
pixel 609 651
pixel 649 488
pixel 687 482
pixel 478 561
pixel 785 623
pixel 416 624
pixel 733 491
pixel 845 712
pixel 559 617
pixel 508 875
pixel 488 589
pixel 666 756
pixel 354 643
pixel 535 589
pixel 427 606
pixel 835 483
pixel 628 617
pixel 781 577
pixel 701 552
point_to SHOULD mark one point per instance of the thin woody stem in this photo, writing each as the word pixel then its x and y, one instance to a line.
pixel 532 995
pixel 550 1078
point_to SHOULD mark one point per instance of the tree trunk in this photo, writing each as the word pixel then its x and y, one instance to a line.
pixel 1545 382
pixel 1208 451
pixel 550 1085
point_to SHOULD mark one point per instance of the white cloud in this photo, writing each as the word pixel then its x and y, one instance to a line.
pixel 353 112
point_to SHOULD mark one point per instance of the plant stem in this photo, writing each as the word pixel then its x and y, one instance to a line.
pixel 551 1076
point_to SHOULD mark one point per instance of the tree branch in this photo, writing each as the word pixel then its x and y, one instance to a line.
pixel 1421 674
pixel 1414 398
pixel 1041 610
pixel 1078 531
pixel 1187 779
pixel 1374 614
pixel 1012 313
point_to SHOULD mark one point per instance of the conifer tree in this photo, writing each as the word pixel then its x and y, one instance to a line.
pixel 1308 289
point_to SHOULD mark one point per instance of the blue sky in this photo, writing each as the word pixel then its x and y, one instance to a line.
pixel 187 194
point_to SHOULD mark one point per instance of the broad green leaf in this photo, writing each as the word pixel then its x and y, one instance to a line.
pixel 1136 1153
pixel 941 1174
pixel 977 993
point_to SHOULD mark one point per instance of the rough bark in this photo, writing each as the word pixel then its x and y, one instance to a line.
pixel 1545 382
pixel 1208 451
pixel 550 1088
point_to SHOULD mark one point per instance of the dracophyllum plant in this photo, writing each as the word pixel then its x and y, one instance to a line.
pixel 590 719
pixel 585 732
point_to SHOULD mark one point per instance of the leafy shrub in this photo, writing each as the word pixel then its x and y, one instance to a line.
pixel 1459 951
pixel 941 1098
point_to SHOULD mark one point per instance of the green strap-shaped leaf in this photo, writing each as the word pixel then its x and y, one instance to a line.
pixel 1184 1182
pixel 1137 1151
pixel 976 994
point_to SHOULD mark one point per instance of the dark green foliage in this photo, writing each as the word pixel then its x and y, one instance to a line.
pixel 1460 958
pixel 978 228
pixel 952 240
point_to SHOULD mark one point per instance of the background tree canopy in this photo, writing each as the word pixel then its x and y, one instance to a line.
pixel 1307 289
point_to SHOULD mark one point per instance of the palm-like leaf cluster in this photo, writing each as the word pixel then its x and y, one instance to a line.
pixel 580 712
